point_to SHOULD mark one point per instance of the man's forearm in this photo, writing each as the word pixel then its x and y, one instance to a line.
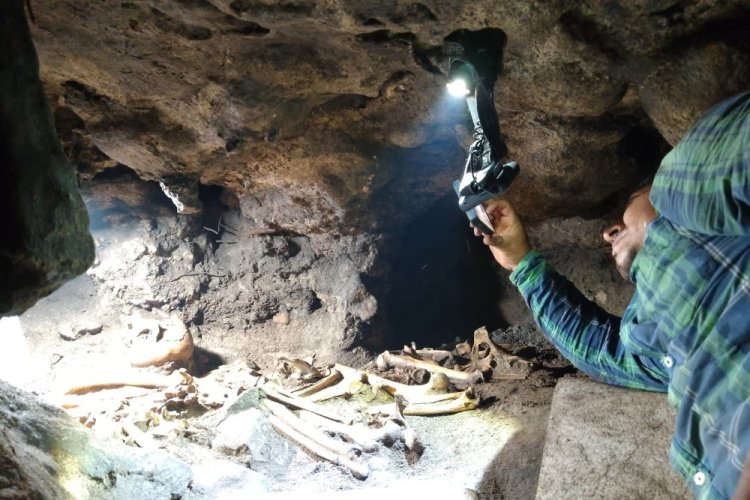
pixel 584 332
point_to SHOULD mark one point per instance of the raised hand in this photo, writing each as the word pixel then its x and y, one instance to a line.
pixel 509 244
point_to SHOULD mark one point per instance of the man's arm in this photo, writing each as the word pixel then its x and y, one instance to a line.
pixel 586 334
pixel 703 184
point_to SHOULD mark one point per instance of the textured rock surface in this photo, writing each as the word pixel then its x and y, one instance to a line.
pixel 609 443
pixel 45 454
pixel 327 131
pixel 325 128
pixel 335 106
pixel 44 239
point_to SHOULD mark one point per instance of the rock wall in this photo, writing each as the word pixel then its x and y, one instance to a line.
pixel 340 102
pixel 44 238
pixel 327 127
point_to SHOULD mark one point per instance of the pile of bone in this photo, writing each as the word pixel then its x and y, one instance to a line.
pixel 421 382
pixel 410 382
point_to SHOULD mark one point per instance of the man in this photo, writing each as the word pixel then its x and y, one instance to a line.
pixel 685 243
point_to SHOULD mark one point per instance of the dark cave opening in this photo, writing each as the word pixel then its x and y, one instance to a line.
pixel 442 284
pixel 213 210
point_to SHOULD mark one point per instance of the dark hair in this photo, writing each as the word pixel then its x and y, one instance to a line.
pixel 646 181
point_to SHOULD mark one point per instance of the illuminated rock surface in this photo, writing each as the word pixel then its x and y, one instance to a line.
pixel 45 454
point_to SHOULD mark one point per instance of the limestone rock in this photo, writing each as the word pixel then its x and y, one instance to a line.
pixel 45 454
pixel 675 95
pixel 323 117
pixel 44 239
pixel 249 433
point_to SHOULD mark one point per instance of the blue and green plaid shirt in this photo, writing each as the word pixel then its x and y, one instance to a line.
pixel 687 327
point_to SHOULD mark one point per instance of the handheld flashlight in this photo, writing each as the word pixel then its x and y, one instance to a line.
pixel 484 177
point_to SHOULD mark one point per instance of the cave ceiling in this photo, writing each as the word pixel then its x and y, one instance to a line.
pixel 323 115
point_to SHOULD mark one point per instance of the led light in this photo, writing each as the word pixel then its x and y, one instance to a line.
pixel 458 87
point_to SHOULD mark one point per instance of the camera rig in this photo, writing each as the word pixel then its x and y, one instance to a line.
pixel 484 176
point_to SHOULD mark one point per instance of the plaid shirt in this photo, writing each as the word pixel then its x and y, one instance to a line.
pixel 687 327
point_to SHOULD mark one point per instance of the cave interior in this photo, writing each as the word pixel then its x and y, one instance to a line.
pixel 201 197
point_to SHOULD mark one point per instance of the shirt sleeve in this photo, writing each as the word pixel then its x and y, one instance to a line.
pixel 585 333
pixel 703 184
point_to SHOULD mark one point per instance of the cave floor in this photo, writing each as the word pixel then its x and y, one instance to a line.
pixel 494 451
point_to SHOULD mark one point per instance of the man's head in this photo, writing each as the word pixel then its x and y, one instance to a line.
pixel 627 237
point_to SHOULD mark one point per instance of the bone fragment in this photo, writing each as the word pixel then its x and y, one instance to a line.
pixel 299 367
pixel 350 432
pixel 412 442
pixel 411 351
pixel 498 362
pixel 347 386
pixel 437 355
pixel 343 388
pixel 438 383
pixel 332 379
pixel 148 381
pixel 381 363
pixel 434 398
pixel 166 341
pixel 466 401
pixel 359 470
pixel 139 437
pixel 342 448
pixel 366 437
pixel 434 388
pixel 396 360
pixel 303 404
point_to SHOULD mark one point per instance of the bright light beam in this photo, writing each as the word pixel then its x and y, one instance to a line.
pixel 458 87
pixel 15 360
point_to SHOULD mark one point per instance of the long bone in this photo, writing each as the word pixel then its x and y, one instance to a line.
pixel 332 379
pixel 366 437
pixel 455 376
pixel 465 401
pixel 303 404
pixel 312 432
pixel 438 383
pixel 347 382
pixel 359 470
pixel 453 402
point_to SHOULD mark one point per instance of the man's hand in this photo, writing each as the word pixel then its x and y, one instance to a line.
pixel 509 244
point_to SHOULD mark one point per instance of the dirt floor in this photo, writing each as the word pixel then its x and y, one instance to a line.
pixel 491 452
